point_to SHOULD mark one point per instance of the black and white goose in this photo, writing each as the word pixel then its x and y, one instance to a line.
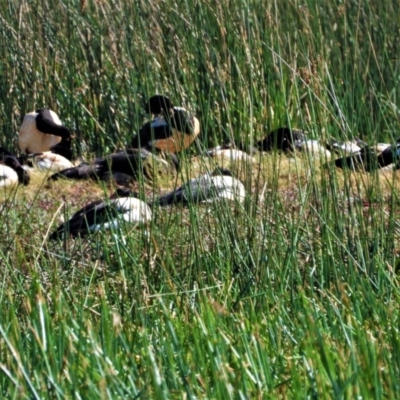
pixel 11 171
pixel 284 139
pixel 122 167
pixel 366 159
pixel 43 136
pixel 371 158
pixel 172 129
pixel 228 151
pixel 207 188
pixel 122 207
pixel 381 147
pixel 389 155
pixel 313 148
pixel 49 161
pixel 346 147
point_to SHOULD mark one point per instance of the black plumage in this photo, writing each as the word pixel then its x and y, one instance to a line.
pixel 369 160
pixel 45 124
pixel 124 204
pixel 173 128
pixel 391 155
pixel 205 188
pixel 285 139
pixel 10 160
pixel 42 131
pixel 121 165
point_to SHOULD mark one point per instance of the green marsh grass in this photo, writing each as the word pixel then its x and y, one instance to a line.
pixel 292 294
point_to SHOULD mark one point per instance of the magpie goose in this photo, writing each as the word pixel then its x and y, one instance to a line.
pixel 314 148
pixel 228 151
pixel 347 147
pixel 11 170
pixel 172 129
pixel 366 159
pixel 49 161
pixel 122 207
pixel 122 165
pixel 390 155
pixel 206 188
pixel 380 147
pixel 42 131
pixel 370 158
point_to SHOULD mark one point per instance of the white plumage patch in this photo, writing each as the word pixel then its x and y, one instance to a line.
pixel 227 187
pixel 381 146
pixel 159 121
pixel 8 177
pixel 206 188
pixel 104 215
pixel 133 209
pixel 314 147
pixel 231 155
pixel 210 188
pixel 31 140
pixel 52 161
pixel 347 147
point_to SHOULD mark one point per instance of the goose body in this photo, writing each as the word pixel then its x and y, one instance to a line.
pixel 369 159
pixel 172 129
pixel 8 177
pixel 42 131
pixel 365 159
pixel 126 163
pixel 347 147
pixel 390 155
pixel 313 147
pixel 227 151
pixel 285 139
pixel 206 188
pixel 121 208
pixel 11 170
pixel 380 147
pixel 51 161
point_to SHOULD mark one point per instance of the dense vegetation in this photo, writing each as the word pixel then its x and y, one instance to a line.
pixel 294 294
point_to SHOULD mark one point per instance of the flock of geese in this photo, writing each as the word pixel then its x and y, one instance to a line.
pixel 45 143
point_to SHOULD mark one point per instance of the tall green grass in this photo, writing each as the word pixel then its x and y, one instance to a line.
pixel 293 294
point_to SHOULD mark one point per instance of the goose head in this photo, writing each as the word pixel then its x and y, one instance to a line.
pixel 159 105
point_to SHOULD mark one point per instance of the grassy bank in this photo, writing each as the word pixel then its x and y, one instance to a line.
pixel 293 294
